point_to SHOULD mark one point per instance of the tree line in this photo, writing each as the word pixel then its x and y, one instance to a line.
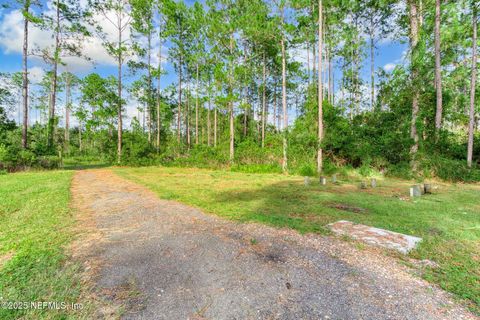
pixel 257 78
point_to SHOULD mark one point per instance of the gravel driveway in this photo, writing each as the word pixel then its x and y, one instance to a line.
pixel 164 260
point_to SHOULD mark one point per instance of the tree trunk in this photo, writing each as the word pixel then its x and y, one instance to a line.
pixel 314 61
pixel 25 77
pixel 67 111
pixel 333 85
pixel 144 110
pixel 179 111
pixel 53 88
pixel 80 145
pixel 209 140
pixel 438 69
pixel 308 63
pixel 284 101
pixel 245 93
pixel 331 93
pixel 357 71
pixel 149 92
pixel 196 111
pixel 275 116
pixel 232 128
pixel 187 110
pixel 120 63
pixel 264 102
pixel 159 89
pixel 372 63
pixel 245 114
pixel 472 89
pixel 415 100
pixel 320 89
pixel 215 122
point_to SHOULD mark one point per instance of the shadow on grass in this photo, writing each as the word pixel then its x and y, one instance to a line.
pixel 283 204
pixel 310 208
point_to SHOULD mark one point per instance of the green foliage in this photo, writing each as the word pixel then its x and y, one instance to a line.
pixel 307 170
pixel 449 169
pixel 257 168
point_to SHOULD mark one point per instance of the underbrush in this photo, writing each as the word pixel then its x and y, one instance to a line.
pixel 19 160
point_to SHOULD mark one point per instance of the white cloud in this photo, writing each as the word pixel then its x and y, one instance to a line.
pixel 389 67
pixel 36 74
pixel 11 41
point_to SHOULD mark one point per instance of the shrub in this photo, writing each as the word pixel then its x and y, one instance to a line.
pixel 448 169
pixel 49 162
pixel 307 170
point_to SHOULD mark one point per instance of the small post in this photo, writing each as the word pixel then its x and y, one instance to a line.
pixel 373 182
pixel 363 185
pixel 323 181
pixel 306 181
pixel 427 188
pixel 415 191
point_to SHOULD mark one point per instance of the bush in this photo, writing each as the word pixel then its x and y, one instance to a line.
pixel 15 159
pixel 449 170
pixel 307 170
pixel 49 162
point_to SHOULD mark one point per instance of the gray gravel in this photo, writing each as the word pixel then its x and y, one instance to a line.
pixel 164 260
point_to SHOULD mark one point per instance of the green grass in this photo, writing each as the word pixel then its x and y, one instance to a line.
pixel 79 163
pixel 448 220
pixel 35 227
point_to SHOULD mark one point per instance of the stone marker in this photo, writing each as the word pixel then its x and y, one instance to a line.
pixel 373 182
pixel 334 178
pixel 427 188
pixel 306 181
pixel 323 180
pixel 415 191
pixel 375 236
pixel 363 185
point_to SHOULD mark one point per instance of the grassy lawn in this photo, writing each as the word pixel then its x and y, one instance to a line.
pixel 448 220
pixel 35 222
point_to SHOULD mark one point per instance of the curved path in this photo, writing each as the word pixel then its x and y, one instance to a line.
pixel 164 260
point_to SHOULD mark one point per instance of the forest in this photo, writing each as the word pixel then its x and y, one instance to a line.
pixel 239 159
pixel 259 86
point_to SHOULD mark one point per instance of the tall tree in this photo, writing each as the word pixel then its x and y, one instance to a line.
pixel 264 100
pixel 472 86
pixel 159 70
pixel 176 16
pixel 25 7
pixel 26 13
pixel 68 34
pixel 142 22
pixel 438 68
pixel 284 89
pixel 117 14
pixel 320 88
pixel 70 81
pixel 27 17
pixel 414 32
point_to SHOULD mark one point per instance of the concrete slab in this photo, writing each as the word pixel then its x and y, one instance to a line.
pixel 375 236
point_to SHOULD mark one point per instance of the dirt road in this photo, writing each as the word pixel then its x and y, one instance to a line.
pixel 165 260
